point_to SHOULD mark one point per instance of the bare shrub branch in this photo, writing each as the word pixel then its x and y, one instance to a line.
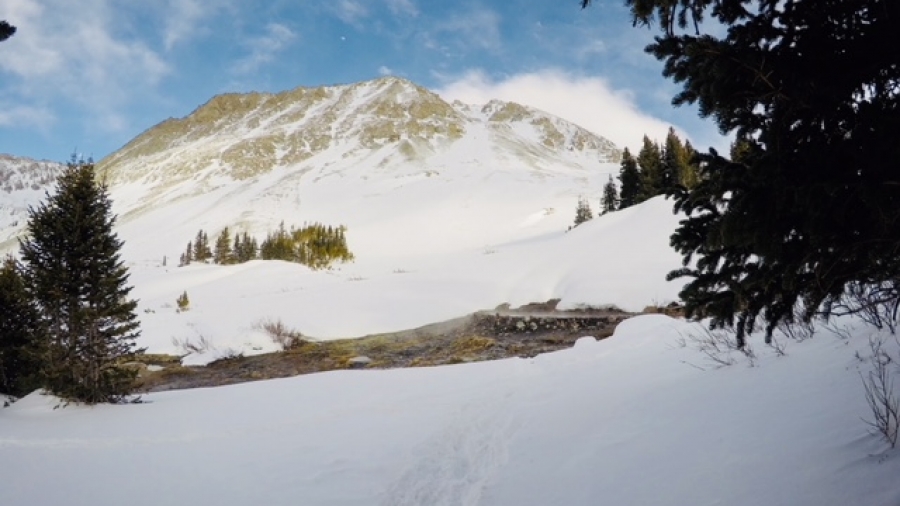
pixel 876 304
pixel 188 346
pixel 282 335
pixel 716 345
pixel 879 391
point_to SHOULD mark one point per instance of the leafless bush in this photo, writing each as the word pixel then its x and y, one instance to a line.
pixel 188 346
pixel 875 303
pixel 716 345
pixel 843 332
pixel 879 390
pixel 285 337
pixel 777 346
pixel 797 330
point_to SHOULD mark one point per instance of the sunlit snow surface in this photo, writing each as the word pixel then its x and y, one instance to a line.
pixel 634 419
pixel 410 274
pixel 642 418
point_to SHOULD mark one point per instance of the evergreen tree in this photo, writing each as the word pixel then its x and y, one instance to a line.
pixel 188 256
pixel 73 272
pixel 583 212
pixel 18 331
pixel 674 162
pixel 222 253
pixel 808 208
pixel 630 180
pixel 690 170
pixel 236 249
pixel 249 248
pixel 650 161
pixel 202 253
pixel 183 302
pixel 278 245
pixel 6 30
pixel 610 200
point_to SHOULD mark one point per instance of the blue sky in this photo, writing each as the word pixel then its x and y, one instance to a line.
pixel 93 74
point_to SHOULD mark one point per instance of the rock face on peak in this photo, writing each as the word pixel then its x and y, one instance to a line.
pixel 243 136
pixel 383 157
pixel 23 182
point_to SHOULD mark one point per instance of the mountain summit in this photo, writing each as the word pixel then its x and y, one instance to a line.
pixel 388 124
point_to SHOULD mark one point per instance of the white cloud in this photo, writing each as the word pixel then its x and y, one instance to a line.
pixel 71 51
pixel 350 11
pixel 264 48
pixel 385 71
pixel 586 101
pixel 405 7
pixel 480 28
pixel 23 115
pixel 181 20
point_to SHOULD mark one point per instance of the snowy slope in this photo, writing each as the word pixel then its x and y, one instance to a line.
pixel 22 184
pixel 620 259
pixel 634 419
pixel 450 209
pixel 472 214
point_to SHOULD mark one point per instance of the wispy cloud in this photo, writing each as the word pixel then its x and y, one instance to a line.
pixel 22 115
pixel 587 101
pixel 264 48
pixel 350 11
pixel 181 20
pixel 479 27
pixel 385 71
pixel 403 7
pixel 72 52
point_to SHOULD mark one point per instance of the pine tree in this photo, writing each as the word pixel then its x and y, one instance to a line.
pixel 610 200
pixel 202 253
pixel 583 212
pixel 630 180
pixel 18 332
pixel 188 256
pixel 6 30
pixel 650 161
pixel 74 273
pixel 690 170
pixel 222 254
pixel 674 162
pixel 183 302
pixel 807 211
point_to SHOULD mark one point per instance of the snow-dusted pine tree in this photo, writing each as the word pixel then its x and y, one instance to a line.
pixel 74 274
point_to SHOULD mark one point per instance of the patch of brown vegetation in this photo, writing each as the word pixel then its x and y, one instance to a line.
pixel 521 332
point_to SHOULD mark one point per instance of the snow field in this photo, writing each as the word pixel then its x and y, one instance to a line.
pixel 634 419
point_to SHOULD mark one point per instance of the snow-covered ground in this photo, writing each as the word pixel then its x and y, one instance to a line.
pixel 619 259
pixel 634 419
pixel 644 417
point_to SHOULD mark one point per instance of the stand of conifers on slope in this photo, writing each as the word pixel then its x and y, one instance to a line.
pixel 315 245
pixel 656 170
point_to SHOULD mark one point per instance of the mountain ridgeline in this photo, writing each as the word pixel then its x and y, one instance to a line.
pixel 361 155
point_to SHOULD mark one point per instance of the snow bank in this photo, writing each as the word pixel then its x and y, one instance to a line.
pixel 633 419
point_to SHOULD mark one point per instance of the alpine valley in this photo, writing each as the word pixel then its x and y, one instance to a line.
pixel 449 209
pixel 470 204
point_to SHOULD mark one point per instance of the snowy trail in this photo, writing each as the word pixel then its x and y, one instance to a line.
pixel 455 465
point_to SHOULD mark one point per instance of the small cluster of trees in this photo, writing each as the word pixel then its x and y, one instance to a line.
pixel 317 246
pixel 66 322
pixel 225 251
pixel 657 170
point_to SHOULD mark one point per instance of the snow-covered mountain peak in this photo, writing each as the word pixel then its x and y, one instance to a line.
pixel 246 135
pixel 22 183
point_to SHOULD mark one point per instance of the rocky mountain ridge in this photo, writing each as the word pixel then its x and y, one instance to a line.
pixel 23 182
